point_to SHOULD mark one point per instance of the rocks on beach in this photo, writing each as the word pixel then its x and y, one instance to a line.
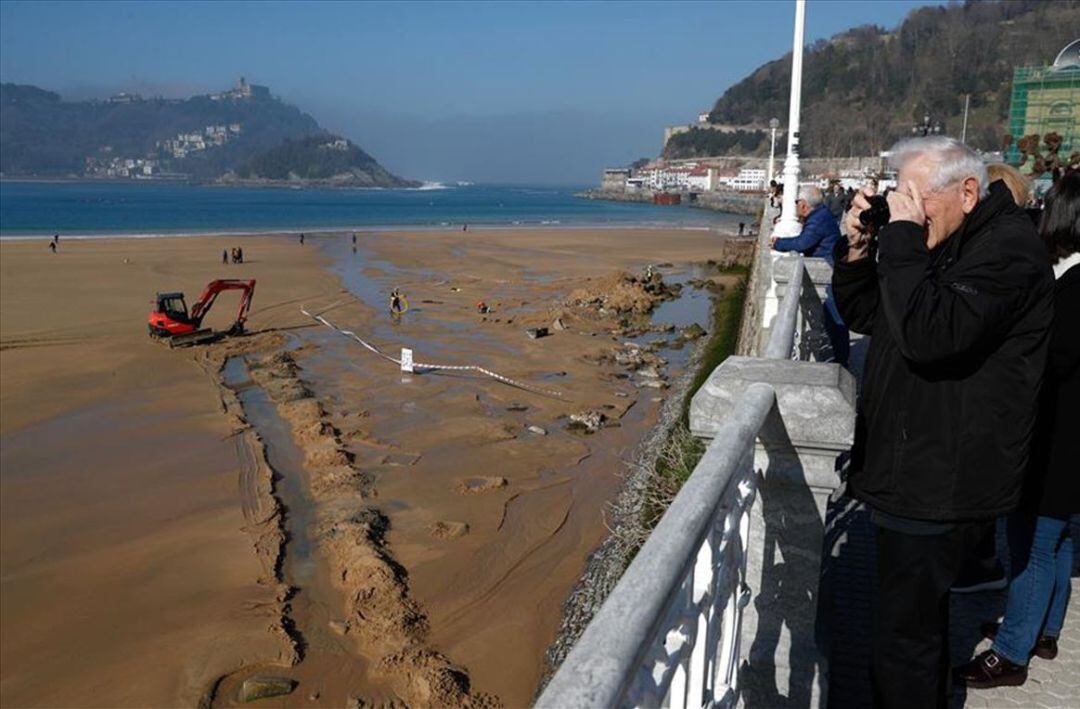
pixel 265 686
pixel 589 421
pixel 480 484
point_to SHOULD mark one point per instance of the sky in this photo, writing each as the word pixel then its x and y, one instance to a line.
pixel 512 92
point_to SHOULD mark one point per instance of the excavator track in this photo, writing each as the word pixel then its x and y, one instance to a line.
pixel 198 337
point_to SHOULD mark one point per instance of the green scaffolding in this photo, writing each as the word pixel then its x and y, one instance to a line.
pixel 1045 100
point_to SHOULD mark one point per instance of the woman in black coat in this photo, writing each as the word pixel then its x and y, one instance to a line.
pixel 1039 541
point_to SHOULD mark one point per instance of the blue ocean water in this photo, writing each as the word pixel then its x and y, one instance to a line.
pixel 95 208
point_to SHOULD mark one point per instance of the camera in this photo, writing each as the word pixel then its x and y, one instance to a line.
pixel 876 215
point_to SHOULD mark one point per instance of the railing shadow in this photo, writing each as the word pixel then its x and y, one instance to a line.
pixel 813 345
pixel 787 601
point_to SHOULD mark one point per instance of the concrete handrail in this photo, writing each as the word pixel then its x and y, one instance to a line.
pixel 628 655
pixel 782 336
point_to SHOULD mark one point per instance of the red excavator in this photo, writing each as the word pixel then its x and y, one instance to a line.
pixel 171 322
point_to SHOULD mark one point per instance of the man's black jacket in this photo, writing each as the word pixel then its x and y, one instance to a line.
pixel 957 351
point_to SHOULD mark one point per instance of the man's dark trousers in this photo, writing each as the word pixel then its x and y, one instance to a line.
pixel 910 665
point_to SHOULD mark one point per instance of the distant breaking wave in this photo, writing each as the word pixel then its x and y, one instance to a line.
pixel 426 186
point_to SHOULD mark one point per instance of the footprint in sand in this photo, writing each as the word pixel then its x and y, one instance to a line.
pixel 448 530
pixel 471 486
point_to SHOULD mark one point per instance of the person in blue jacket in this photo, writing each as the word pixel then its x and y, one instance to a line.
pixel 818 240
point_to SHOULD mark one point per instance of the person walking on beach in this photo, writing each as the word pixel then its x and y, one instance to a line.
pixel 742 228
pixel 398 302
pixel 239 254
pixel 224 256
pixel 301 238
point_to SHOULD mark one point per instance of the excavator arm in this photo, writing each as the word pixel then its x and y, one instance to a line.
pixel 210 293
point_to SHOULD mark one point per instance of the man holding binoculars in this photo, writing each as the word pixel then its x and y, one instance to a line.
pixel 949 279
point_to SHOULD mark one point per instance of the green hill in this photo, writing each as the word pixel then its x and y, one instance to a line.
pixel 202 137
pixel 324 158
pixel 864 88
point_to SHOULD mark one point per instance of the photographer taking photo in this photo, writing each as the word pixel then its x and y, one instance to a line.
pixel 957 300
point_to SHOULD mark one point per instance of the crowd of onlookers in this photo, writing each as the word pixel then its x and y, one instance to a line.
pixel 969 406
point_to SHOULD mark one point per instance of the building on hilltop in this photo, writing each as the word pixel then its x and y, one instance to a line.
pixel 1046 100
pixel 243 91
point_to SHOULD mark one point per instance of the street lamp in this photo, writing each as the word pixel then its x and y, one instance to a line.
pixel 926 127
pixel 789 224
pixel 774 123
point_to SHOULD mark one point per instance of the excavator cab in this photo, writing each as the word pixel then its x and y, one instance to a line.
pixel 173 306
pixel 170 319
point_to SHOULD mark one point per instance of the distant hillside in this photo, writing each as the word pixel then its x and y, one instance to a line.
pixel 863 89
pixel 202 137
pixel 324 158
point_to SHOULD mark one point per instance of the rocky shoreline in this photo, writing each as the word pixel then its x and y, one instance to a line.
pixel 731 203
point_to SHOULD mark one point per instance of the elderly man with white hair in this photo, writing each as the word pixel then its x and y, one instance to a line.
pixel 818 239
pixel 956 295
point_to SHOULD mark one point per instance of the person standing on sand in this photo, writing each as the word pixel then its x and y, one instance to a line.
pixel 742 228
pixel 224 256
pixel 301 238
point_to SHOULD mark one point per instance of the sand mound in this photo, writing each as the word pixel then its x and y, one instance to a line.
pixel 448 530
pixel 622 292
pixel 424 677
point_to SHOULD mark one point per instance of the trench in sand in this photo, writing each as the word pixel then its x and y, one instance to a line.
pixel 547 512
pixel 329 665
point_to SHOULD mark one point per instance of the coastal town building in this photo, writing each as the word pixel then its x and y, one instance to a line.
pixel 183 144
pixel 749 179
pixel 124 97
pixel 616 179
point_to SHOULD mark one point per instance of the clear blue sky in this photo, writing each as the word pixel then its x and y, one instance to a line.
pixel 545 92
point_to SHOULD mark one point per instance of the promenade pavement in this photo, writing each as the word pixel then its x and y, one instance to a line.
pixel 846 608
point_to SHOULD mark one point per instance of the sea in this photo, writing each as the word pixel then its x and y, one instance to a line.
pixel 88 209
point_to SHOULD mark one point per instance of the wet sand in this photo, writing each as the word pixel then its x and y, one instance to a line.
pixel 132 576
pixel 127 576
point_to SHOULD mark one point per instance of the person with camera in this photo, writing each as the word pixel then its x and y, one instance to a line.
pixel 818 238
pixel 948 278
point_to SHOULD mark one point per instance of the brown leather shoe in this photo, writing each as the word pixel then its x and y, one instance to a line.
pixel 989 669
pixel 1046 647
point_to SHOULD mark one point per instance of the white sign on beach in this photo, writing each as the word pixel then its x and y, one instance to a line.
pixel 406 359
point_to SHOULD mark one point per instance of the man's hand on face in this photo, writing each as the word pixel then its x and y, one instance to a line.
pixel 852 228
pixel 907 205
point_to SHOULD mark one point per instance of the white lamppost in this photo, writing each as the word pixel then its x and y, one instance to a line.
pixel 789 224
pixel 774 123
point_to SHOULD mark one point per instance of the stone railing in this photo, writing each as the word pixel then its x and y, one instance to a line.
pixel 719 605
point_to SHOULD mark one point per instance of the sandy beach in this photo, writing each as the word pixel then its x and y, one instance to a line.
pixel 176 521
